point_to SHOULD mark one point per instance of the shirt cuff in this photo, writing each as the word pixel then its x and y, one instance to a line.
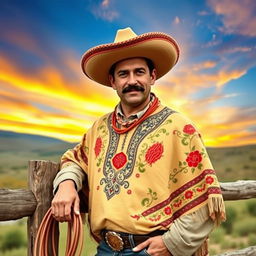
pixel 188 232
pixel 70 172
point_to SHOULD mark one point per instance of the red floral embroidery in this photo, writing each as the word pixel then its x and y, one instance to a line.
pixel 155 218
pixel 98 146
pixel 167 210
pixel 129 191
pixel 137 175
pixel 137 217
pixel 209 180
pixel 194 158
pixel 189 129
pixel 201 189
pixel 189 194
pixel 178 204
pixel 154 153
pixel 119 160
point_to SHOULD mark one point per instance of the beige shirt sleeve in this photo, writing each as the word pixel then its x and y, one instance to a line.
pixel 70 172
pixel 188 232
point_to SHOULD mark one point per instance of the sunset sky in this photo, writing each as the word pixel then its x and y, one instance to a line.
pixel 43 90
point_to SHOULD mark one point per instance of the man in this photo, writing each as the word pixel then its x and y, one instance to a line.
pixel 152 188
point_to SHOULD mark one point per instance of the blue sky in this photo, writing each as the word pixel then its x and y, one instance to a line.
pixel 43 90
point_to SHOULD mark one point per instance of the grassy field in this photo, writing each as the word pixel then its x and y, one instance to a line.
pixel 234 163
pixel 231 164
pixel 20 227
pixel 242 231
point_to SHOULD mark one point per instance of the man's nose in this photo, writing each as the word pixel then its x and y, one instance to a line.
pixel 132 79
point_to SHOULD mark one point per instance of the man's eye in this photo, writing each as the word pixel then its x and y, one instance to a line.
pixel 140 71
pixel 123 74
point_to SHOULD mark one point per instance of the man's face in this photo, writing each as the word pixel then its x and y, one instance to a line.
pixel 132 81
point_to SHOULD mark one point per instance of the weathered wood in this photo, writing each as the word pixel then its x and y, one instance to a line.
pixel 41 176
pixel 16 204
pixel 250 251
pixel 242 189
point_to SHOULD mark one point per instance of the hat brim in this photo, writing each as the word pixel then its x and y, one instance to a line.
pixel 158 47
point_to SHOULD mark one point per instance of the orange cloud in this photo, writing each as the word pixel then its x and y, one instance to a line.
pixel 49 103
pixel 204 65
pixel 29 100
pixel 220 126
pixel 50 83
pixel 238 17
pixel 189 80
pixel 63 133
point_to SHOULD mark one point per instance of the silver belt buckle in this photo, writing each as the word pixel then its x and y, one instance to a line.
pixel 114 241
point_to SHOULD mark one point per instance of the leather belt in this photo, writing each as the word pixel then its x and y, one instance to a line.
pixel 118 241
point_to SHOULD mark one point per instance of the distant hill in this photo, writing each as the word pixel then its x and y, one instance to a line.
pixel 11 141
pixel 16 149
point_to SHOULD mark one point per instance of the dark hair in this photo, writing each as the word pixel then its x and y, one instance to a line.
pixel 149 62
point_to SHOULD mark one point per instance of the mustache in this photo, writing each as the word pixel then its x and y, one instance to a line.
pixel 131 88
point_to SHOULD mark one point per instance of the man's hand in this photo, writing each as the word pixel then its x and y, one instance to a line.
pixel 65 198
pixel 155 247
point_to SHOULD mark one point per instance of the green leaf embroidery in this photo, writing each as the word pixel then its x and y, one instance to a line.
pixel 145 202
pixel 148 201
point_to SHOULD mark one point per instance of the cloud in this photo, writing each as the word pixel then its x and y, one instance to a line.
pixel 23 41
pixel 48 103
pixel 204 65
pixel 105 11
pixel 220 126
pixel 192 78
pixel 59 101
pixel 48 81
pixel 203 13
pixel 237 49
pixel 213 42
pixel 238 17
pixel 105 3
pixel 230 126
pixel 46 100
pixel 197 91
pixel 177 20
pixel 199 85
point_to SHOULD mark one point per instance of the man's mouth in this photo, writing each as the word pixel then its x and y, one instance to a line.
pixel 133 88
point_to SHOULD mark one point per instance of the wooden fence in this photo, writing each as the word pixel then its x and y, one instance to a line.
pixel 35 201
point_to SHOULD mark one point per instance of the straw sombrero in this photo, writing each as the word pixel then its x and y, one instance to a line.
pixel 161 48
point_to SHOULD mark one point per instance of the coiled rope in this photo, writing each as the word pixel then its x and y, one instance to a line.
pixel 46 231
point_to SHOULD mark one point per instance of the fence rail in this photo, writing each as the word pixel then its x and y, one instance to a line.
pixel 250 251
pixel 35 201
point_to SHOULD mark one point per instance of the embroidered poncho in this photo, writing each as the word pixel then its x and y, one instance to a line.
pixel 143 180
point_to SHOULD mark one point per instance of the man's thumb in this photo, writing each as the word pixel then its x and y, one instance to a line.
pixel 77 206
pixel 141 246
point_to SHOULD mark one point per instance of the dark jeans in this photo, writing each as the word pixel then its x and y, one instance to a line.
pixel 104 250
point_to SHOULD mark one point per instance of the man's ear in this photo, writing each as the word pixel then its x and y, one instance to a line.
pixel 153 76
pixel 112 81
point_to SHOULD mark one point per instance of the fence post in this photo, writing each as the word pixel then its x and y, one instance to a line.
pixel 41 176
